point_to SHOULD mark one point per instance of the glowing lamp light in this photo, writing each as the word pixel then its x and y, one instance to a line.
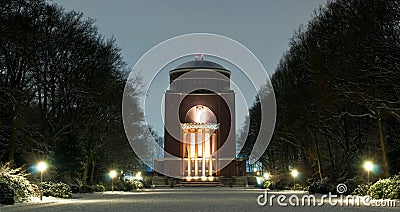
pixel 41 166
pixel 368 166
pixel 188 178
pixel 294 173
pixel 211 178
pixel 267 176
pixel 113 173
pixel 259 180
pixel 203 178
pixel 138 176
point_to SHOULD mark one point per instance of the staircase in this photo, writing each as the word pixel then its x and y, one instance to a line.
pixel 199 184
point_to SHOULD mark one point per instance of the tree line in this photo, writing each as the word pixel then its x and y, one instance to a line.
pixel 61 86
pixel 338 94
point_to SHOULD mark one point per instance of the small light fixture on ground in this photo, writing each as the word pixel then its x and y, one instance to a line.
pixel 368 166
pixel 138 176
pixel 112 174
pixel 267 176
pixel 294 174
pixel 41 167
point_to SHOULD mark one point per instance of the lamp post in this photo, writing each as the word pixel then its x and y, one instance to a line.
pixel 41 167
pixel 294 174
pixel 368 166
pixel 112 174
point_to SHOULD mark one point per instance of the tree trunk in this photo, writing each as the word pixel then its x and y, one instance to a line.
pixel 13 135
pixel 318 156
pixel 332 168
pixel 347 146
pixel 85 172
pixel 383 147
pixel 91 178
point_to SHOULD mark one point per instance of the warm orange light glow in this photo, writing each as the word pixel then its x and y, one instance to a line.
pixel 207 145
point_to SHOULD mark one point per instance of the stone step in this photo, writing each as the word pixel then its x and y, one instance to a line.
pixel 199 184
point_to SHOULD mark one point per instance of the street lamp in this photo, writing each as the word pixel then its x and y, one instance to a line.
pixel 41 167
pixel 112 174
pixel 294 174
pixel 368 166
pixel 267 176
pixel 138 176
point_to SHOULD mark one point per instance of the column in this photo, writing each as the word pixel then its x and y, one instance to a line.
pixel 210 159
pixel 196 164
pixel 189 169
pixel 214 149
pixel 183 145
pixel 203 143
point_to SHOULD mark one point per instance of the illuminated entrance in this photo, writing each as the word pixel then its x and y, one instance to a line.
pixel 199 138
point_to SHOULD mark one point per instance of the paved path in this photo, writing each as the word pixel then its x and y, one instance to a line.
pixel 180 199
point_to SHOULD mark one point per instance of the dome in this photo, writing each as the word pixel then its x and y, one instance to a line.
pixel 195 65
pixel 200 64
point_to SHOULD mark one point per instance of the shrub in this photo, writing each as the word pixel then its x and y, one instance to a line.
pixel 75 184
pixel 60 190
pixel 323 186
pixel 122 185
pixel 354 183
pixel 16 179
pixel 388 188
pixel 75 188
pixel 280 185
pixel 138 184
pixel 362 190
pixel 267 184
pixel 87 189
pixel 6 194
pixel 99 188
pixel 298 187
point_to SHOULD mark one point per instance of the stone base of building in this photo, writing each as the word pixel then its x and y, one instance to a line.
pixel 174 169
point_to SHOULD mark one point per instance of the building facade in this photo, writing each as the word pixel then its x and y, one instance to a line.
pixel 199 132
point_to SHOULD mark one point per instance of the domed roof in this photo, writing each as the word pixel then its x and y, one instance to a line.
pixel 200 64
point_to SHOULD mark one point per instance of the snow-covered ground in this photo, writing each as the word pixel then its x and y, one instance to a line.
pixel 177 199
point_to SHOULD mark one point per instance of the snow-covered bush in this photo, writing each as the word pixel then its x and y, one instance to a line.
pixel 362 190
pixel 138 184
pixel 53 189
pixel 99 188
pixel 388 188
pixel 16 180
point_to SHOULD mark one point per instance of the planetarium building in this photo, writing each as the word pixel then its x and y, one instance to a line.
pixel 199 130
